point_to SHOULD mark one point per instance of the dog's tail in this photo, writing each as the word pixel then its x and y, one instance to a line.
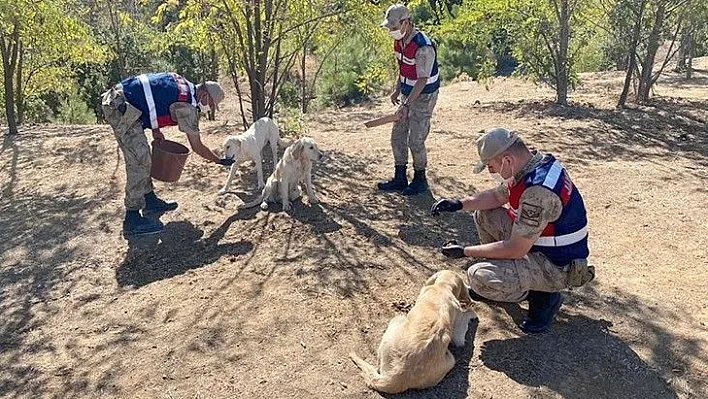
pixel 258 200
pixel 372 378
pixel 283 144
pixel 274 128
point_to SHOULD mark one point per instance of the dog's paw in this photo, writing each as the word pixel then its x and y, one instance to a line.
pixel 264 205
pixel 287 206
pixel 261 185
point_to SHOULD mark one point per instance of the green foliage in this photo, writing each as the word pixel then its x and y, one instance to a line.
pixel 291 122
pixel 463 45
pixel 536 28
pixel 356 70
pixel 361 63
pixel 73 111
pixel 289 94
pixel 52 37
pixel 78 47
pixel 38 108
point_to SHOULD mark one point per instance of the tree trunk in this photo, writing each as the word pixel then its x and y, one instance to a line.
pixel 212 73
pixel 631 55
pixel 564 36
pixel 645 80
pixel 115 27
pixel 8 51
pixel 303 82
pixel 689 57
pixel 20 103
pixel 683 47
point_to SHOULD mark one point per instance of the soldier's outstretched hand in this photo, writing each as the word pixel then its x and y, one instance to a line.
pixel 446 205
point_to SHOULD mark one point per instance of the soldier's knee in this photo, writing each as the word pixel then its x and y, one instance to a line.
pixel 486 280
pixel 480 275
pixel 417 144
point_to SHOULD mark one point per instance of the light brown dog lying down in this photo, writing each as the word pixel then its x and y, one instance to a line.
pixel 414 353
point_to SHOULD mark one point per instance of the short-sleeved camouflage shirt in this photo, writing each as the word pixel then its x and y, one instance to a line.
pixel 538 205
pixel 186 116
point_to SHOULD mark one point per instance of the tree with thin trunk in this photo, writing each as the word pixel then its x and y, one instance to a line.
pixel 9 50
pixel 641 28
pixel 256 38
pixel 548 36
pixel 37 41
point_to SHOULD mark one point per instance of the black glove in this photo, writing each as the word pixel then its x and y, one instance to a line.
pixel 453 250
pixel 446 205
pixel 226 161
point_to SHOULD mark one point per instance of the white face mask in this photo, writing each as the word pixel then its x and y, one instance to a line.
pixel 498 176
pixel 396 34
pixel 204 108
pixel 498 179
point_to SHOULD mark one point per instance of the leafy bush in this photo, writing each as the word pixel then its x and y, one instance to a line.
pixel 73 111
pixel 357 70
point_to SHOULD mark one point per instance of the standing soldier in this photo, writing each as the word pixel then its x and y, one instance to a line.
pixel 417 85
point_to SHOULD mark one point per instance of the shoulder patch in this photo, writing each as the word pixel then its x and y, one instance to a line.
pixel 531 214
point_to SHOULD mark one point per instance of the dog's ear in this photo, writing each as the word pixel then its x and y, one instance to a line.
pixel 432 279
pixel 297 149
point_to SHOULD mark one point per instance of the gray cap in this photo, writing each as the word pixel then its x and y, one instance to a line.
pixel 394 15
pixel 492 143
pixel 216 92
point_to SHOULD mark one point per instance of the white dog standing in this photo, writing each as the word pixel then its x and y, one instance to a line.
pixel 284 184
pixel 249 145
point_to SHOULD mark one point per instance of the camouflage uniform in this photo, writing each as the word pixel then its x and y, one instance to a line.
pixel 509 280
pixel 413 131
pixel 127 127
pixel 129 132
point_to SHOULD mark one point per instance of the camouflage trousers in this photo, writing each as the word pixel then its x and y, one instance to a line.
pixel 413 131
pixel 509 280
pixel 128 129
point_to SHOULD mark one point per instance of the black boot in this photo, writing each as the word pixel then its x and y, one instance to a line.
pixel 418 185
pixel 154 205
pixel 136 225
pixel 543 307
pixel 398 183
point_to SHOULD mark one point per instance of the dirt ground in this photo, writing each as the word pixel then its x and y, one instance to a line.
pixel 253 304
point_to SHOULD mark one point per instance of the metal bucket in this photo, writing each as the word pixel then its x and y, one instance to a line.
pixel 168 159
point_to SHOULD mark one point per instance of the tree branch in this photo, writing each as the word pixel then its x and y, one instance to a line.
pixel 669 54
pixel 306 22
